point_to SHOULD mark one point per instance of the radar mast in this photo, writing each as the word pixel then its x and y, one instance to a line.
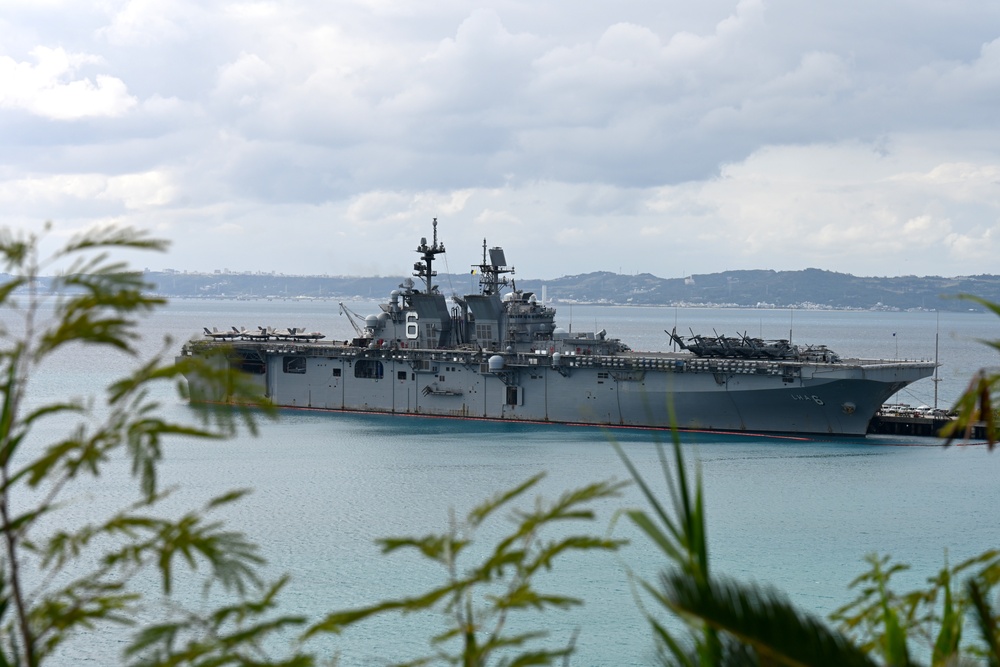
pixel 424 269
pixel 491 273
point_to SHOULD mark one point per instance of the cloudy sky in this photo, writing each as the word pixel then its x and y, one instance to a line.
pixel 667 136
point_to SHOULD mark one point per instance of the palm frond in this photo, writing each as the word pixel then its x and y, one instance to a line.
pixel 765 620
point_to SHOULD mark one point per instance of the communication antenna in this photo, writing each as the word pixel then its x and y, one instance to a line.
pixel 937 336
pixel 424 269
pixel 493 271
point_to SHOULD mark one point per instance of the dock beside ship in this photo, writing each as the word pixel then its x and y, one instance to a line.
pixel 896 419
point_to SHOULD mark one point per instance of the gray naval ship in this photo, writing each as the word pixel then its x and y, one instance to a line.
pixel 499 355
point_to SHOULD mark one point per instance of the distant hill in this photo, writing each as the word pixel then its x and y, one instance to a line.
pixel 810 288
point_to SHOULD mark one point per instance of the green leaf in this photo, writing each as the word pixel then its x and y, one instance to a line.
pixel 987 621
pixel 336 622
pixel 764 620
pixel 990 306
pixel 946 646
pixel 546 553
pixel 659 538
pixel 484 510
pixel 438 548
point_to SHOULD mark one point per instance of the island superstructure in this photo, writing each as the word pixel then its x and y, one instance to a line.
pixel 499 354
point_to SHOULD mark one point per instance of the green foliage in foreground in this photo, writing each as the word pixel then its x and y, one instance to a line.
pixel 59 584
pixel 734 623
pixel 976 404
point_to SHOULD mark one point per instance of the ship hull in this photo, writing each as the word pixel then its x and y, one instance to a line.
pixel 655 390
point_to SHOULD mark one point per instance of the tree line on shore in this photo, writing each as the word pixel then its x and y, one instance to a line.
pixel 776 289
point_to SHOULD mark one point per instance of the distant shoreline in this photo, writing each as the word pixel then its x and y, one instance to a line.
pixel 561 303
pixel 810 289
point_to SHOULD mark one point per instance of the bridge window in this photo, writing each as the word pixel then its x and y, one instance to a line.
pixel 368 368
pixel 294 364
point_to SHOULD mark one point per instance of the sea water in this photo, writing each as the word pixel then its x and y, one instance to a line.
pixel 797 514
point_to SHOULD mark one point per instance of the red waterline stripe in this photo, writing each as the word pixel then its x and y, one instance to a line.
pixel 495 420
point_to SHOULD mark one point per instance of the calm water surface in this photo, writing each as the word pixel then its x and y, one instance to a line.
pixel 798 514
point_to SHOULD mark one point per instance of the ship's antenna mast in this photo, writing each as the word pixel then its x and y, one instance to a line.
pixel 937 336
pixel 424 269
pixel 492 270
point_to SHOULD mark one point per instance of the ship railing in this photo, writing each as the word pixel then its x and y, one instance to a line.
pixel 655 362
pixel 885 362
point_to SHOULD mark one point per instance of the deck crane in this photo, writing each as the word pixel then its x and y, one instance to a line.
pixel 353 318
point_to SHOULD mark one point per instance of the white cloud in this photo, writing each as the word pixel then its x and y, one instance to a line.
pixel 130 191
pixel 392 208
pixel 842 205
pixel 243 81
pixel 489 219
pixel 139 191
pixel 818 75
pixel 141 22
pixel 957 181
pixel 48 89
